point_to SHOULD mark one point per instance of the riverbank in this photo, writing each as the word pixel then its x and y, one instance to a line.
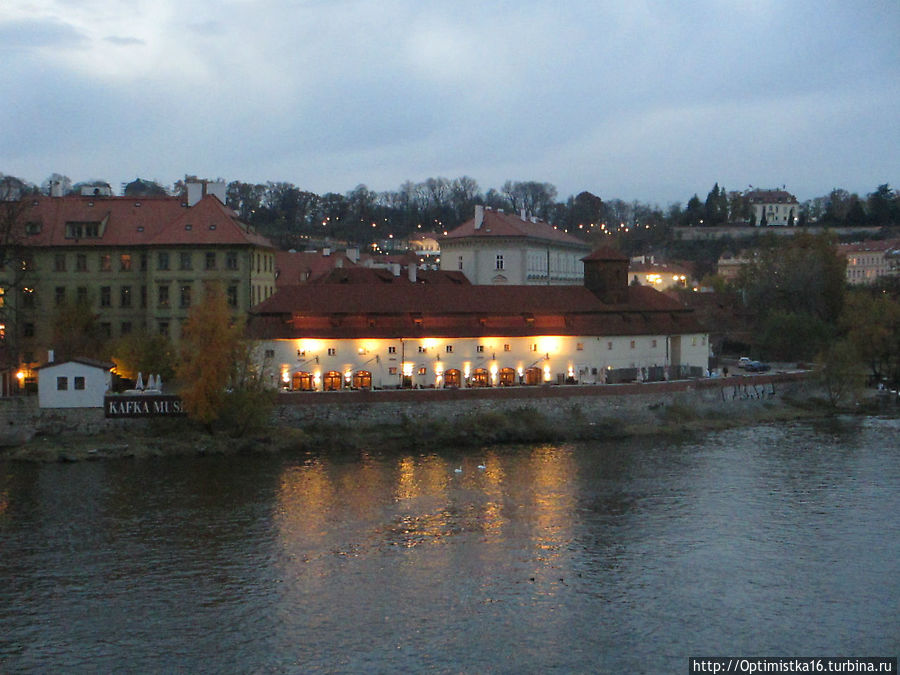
pixel 477 428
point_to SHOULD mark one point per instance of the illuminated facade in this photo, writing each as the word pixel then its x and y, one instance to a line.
pixel 867 261
pixel 331 336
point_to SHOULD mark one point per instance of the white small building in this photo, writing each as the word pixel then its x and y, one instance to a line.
pixel 78 383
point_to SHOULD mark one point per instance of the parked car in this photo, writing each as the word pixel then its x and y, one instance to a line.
pixel 757 367
pixel 744 361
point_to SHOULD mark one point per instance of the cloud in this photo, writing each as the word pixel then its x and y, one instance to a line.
pixel 124 41
pixel 32 34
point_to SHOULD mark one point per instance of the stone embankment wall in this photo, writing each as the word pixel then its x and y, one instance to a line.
pixel 632 404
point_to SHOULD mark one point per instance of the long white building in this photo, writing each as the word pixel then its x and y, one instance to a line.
pixel 401 332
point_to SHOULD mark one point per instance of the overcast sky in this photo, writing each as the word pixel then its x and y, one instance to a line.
pixel 630 99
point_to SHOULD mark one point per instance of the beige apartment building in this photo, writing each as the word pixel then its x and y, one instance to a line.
pixel 139 263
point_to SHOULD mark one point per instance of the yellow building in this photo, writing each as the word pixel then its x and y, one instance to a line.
pixel 137 263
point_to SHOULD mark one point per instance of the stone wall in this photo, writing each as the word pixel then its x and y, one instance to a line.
pixel 633 404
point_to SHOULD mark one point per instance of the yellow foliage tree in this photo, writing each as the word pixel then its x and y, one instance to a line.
pixel 210 345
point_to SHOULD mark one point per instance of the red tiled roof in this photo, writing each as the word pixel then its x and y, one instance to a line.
pixel 771 197
pixel 605 253
pixel 874 246
pixel 391 310
pixel 499 224
pixel 298 267
pixel 130 221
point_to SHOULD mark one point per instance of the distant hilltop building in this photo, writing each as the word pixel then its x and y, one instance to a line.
pixel 871 260
pixel 773 208
pixel 496 247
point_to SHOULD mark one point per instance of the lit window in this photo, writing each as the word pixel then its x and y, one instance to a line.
pixel 579 346
pixel 507 348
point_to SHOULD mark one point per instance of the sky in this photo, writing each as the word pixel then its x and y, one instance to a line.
pixel 628 99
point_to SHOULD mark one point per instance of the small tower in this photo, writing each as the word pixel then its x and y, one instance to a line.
pixel 606 275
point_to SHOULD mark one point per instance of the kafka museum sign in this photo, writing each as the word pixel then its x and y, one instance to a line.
pixel 143 406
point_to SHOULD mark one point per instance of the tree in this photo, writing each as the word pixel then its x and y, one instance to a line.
pixel 210 347
pixel 532 197
pixel 840 372
pixel 872 322
pixel 76 332
pixel 143 352
pixel 884 206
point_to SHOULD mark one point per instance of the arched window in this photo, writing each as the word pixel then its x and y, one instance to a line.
pixel 302 381
pixel 507 377
pixel 331 381
pixel 452 378
pixel 362 379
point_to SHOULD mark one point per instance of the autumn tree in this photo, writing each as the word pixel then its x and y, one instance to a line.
pixel 210 346
pixel 142 352
pixel 872 322
pixel 76 332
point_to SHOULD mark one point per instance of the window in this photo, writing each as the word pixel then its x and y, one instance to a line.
pixel 106 329
pixel 143 262
pixel 81 296
pixel 125 328
pixel 210 260
pixel 423 371
pixel 186 260
pixel 533 347
pixel 422 349
pixel 507 348
pixel 231 260
pixel 579 346
pixel 392 350
pixel 77 230
pixel 125 296
pixel 332 351
pixel 164 328
pixel 162 260
pixel 143 296
pixel 60 262
pixel 499 262
pixel 105 296
pixel 270 354
pixel 62 383
pixel 185 296
pixel 609 345
pixel 125 262
pixel 60 295
pixel 460 262
pixel 162 296
pixel 231 295
pixel 653 344
pixel 392 370
pixel 449 349
pixel 81 262
pixel 105 262
pixel 28 331
pixel 79 383
pixel 479 349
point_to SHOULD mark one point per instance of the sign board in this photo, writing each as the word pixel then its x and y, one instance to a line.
pixel 143 406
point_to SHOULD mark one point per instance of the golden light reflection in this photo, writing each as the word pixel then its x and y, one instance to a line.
pixel 549 344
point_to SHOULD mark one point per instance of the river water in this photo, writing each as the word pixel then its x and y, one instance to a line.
pixel 621 556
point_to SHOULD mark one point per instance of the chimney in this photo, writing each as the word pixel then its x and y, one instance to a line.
pixel 56 188
pixel 522 215
pixel 50 356
pixel 395 269
pixel 479 216
pixel 194 193
pixel 326 252
pixel 411 271
pixel 218 189
pixel 338 263
pixel 352 255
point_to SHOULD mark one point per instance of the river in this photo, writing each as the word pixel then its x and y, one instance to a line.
pixel 619 556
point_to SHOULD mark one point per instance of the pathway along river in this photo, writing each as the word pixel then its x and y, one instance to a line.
pixel 626 556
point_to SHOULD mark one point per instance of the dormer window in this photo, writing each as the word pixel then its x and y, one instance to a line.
pixel 82 230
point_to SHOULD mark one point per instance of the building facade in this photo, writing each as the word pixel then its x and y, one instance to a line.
pixel 870 260
pixel 773 208
pixel 79 383
pixel 137 264
pixel 333 336
pixel 497 248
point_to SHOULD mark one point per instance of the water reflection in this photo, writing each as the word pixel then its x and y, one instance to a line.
pixel 581 558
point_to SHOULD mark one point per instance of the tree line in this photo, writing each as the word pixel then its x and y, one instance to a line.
pixel 292 216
